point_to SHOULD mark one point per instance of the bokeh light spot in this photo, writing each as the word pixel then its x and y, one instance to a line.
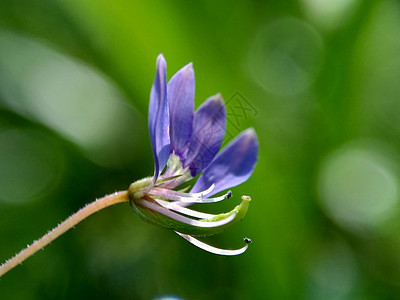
pixel 332 272
pixel 330 14
pixel 285 56
pixel 68 96
pixel 31 165
pixel 358 186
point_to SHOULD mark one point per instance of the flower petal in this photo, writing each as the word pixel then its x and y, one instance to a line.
pixel 232 166
pixel 180 93
pixel 208 132
pixel 159 117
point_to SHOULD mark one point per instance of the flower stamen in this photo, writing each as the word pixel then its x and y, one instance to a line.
pixel 188 197
pixel 161 181
pixel 212 249
pixel 183 210
pixel 183 219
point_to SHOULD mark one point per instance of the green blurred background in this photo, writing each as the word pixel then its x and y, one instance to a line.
pixel 319 80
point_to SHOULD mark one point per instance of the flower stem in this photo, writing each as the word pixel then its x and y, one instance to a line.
pixel 61 228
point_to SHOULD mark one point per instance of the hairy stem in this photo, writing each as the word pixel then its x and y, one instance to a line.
pixel 61 228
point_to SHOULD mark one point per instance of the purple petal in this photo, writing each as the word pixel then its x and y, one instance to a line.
pixel 232 166
pixel 208 133
pixel 159 117
pixel 181 106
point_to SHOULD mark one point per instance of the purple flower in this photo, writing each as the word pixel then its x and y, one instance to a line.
pixel 186 143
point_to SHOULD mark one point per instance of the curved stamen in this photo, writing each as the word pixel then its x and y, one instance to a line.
pixel 186 197
pixel 212 249
pixel 184 210
pixel 194 195
pixel 184 219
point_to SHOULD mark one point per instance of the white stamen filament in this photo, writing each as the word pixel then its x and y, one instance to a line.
pixel 195 195
pixel 183 210
pixel 212 249
pixel 184 219
pixel 185 197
